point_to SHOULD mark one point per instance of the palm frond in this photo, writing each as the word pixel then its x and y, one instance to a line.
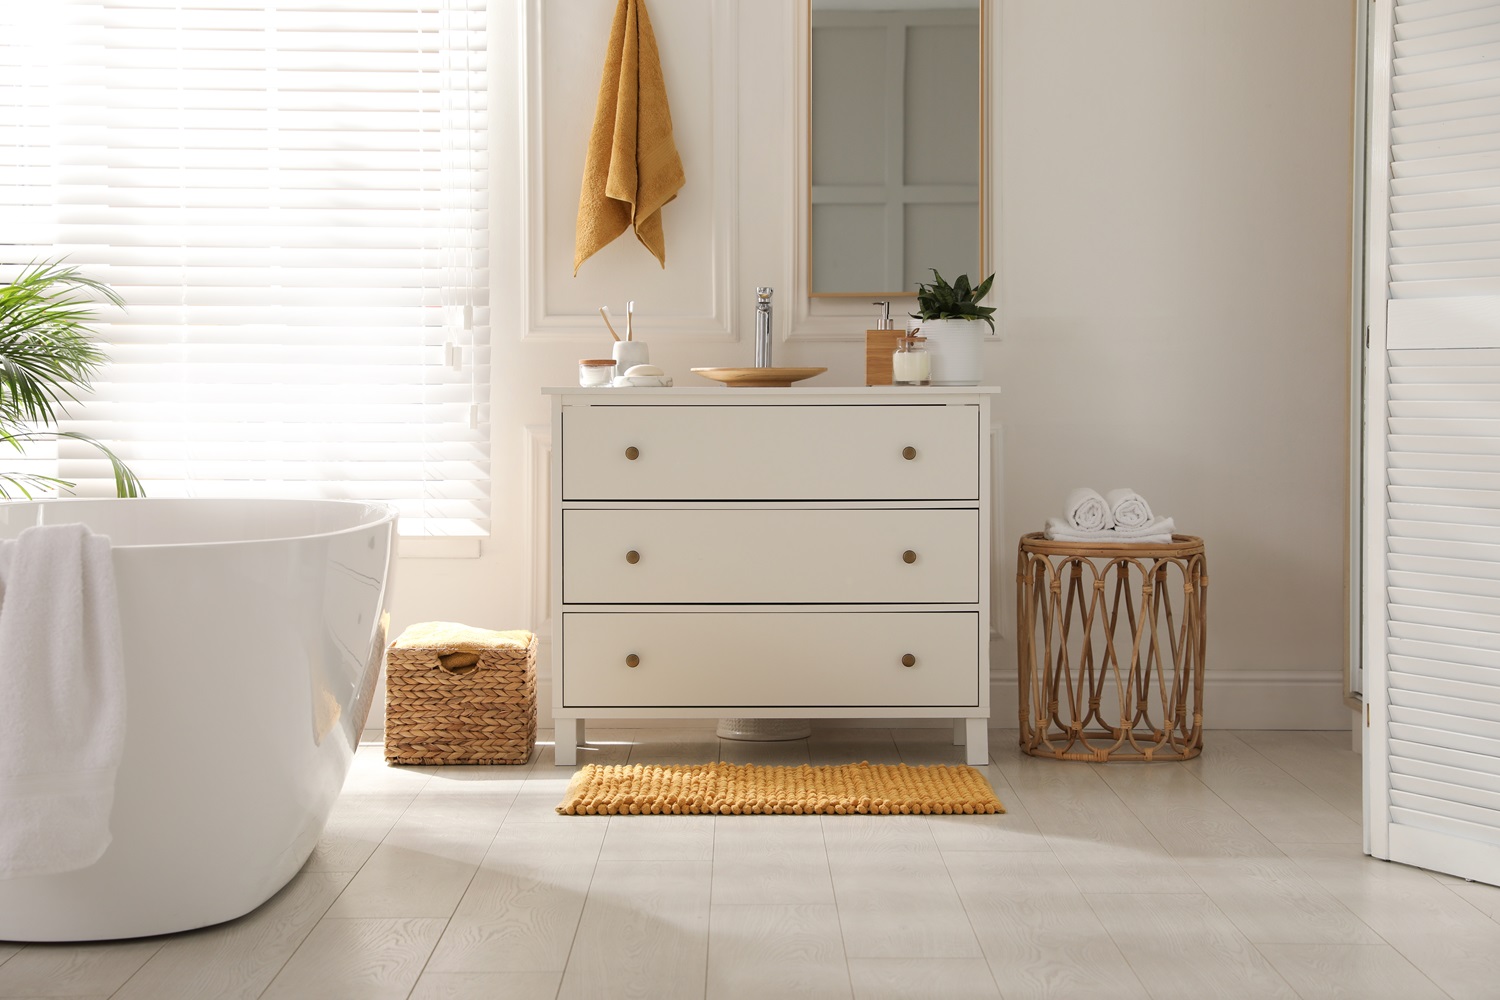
pixel 126 482
pixel 47 352
pixel 46 348
pixel 12 483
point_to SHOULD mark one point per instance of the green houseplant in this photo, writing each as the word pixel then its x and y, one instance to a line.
pixel 47 352
pixel 949 316
pixel 940 300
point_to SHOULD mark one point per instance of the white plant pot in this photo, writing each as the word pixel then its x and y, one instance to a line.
pixel 957 349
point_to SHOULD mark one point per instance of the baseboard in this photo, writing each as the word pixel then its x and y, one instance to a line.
pixel 1235 699
pixel 1232 699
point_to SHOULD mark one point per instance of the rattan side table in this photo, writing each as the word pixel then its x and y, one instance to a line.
pixel 1110 667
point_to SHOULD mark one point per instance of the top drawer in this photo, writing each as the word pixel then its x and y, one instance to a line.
pixel 773 452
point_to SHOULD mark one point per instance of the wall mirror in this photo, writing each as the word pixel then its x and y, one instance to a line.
pixel 896 144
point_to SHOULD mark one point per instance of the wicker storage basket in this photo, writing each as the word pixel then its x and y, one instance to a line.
pixel 460 695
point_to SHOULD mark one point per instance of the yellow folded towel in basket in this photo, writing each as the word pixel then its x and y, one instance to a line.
pixel 451 637
pixel 632 168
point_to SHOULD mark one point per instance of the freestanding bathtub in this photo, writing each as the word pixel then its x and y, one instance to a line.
pixel 253 635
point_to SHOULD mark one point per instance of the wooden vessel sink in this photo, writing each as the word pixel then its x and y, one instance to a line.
pixel 760 378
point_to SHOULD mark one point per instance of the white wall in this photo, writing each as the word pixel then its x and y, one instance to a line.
pixel 1174 266
pixel 1171 220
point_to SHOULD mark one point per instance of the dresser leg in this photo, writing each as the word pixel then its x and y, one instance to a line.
pixel 959 728
pixel 569 734
pixel 976 742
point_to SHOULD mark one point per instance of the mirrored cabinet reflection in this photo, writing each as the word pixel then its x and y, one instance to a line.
pixel 895 144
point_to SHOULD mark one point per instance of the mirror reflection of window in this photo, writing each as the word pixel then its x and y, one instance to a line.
pixel 895 114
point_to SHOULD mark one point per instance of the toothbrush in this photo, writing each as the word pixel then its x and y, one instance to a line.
pixel 629 320
pixel 604 311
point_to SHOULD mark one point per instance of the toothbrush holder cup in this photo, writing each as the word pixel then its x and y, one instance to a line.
pixel 628 354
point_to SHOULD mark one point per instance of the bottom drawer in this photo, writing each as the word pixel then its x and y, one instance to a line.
pixel 772 659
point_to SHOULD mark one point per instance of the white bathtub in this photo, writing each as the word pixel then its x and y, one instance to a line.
pixel 253 637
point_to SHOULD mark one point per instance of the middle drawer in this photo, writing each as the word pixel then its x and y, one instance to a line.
pixel 758 556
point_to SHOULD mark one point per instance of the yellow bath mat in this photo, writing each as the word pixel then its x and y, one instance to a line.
pixel 747 789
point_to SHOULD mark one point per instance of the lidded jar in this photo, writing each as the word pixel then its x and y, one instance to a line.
pixel 911 364
pixel 593 372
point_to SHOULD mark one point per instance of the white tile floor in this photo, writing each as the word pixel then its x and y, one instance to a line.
pixel 1235 875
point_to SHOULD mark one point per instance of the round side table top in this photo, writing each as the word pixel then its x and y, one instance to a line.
pixel 1180 545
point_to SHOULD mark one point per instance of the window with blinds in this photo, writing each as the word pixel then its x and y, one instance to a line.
pixel 290 197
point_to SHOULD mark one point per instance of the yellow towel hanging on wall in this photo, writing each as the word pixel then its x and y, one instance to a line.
pixel 632 168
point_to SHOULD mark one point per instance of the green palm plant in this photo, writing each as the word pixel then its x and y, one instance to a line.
pixel 47 351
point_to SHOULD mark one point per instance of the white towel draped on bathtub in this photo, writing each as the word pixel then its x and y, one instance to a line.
pixel 1086 510
pixel 62 699
pixel 1128 508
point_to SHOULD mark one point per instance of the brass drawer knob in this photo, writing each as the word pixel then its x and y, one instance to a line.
pixel 908 660
pixel 632 453
pixel 908 453
pixel 908 556
pixel 632 660
pixel 632 557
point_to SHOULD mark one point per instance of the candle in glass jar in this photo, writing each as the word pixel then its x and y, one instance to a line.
pixel 911 364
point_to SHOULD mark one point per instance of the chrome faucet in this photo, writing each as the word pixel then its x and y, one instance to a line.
pixel 762 328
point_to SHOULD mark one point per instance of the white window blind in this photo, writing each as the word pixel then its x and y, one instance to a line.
pixel 290 197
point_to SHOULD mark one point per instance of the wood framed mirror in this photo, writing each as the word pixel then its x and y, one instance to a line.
pixel 896 144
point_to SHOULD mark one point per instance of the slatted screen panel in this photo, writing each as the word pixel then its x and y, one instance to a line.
pixel 1443 572
pixel 1437 763
pixel 1445 150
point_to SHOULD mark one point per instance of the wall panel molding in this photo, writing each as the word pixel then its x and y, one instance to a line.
pixel 1232 699
pixel 692 299
pixel 846 319
pixel 538 472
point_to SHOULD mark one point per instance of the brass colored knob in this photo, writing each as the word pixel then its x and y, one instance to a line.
pixel 632 557
pixel 908 556
pixel 632 660
pixel 632 453
pixel 908 660
pixel 908 453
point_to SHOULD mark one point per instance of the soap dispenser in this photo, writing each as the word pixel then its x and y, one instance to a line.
pixel 879 345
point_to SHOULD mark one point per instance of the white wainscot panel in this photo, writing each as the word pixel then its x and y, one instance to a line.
pixel 691 298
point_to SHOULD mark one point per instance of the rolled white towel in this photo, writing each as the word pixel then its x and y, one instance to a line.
pixel 1160 526
pixel 1085 509
pixel 1128 508
pixel 1158 532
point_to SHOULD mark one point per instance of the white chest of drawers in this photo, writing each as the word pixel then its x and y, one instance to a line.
pixel 771 553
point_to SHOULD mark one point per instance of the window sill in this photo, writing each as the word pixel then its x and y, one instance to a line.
pixel 434 547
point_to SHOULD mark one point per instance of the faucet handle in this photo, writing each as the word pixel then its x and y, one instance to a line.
pixel 762 294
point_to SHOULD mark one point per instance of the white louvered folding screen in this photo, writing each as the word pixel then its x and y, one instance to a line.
pixel 290 197
pixel 1432 554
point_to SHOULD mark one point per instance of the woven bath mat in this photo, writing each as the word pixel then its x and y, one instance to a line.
pixel 747 789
